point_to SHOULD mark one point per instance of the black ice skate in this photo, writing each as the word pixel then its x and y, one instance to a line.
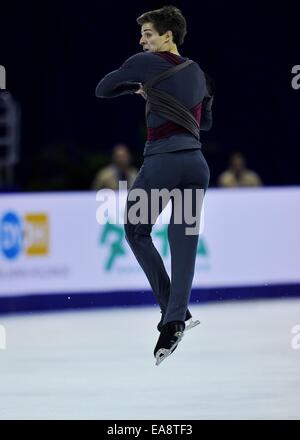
pixel 188 319
pixel 170 336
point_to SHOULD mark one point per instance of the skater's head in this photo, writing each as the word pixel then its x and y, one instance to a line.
pixel 162 29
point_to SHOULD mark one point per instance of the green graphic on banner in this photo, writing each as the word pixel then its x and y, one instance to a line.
pixel 202 248
pixel 113 235
pixel 116 246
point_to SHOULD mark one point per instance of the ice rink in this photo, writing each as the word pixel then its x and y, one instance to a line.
pixel 238 364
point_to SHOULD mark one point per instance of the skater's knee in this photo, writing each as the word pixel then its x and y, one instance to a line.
pixel 129 232
pixel 135 233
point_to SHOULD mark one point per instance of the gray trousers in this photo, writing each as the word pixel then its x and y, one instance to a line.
pixel 183 169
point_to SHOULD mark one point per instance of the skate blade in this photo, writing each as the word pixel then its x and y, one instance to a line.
pixel 192 324
pixel 163 353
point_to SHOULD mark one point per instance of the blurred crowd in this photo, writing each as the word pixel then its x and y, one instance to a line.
pixel 120 169
pixel 62 167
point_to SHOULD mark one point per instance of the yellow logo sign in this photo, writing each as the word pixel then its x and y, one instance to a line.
pixel 36 234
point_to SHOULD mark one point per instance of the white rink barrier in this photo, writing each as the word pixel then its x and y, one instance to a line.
pixel 52 243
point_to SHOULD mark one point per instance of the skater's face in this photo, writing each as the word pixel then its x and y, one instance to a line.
pixel 152 41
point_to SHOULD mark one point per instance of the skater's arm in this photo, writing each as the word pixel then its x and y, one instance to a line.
pixel 126 79
pixel 206 113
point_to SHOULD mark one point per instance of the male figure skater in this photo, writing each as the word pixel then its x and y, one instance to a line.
pixel 178 104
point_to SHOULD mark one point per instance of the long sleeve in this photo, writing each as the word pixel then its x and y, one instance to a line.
pixel 206 114
pixel 124 80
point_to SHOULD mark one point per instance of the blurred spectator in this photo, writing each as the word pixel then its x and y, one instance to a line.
pixel 237 174
pixel 118 170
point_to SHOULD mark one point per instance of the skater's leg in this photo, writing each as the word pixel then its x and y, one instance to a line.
pixel 139 239
pixel 183 249
pixel 183 243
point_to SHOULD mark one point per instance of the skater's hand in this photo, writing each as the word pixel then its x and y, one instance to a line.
pixel 141 91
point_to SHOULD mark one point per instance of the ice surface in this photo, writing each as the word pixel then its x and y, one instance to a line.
pixel 237 364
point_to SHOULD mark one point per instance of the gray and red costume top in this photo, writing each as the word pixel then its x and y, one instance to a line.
pixel 188 86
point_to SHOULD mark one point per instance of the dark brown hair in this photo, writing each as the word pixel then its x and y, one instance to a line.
pixel 167 18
